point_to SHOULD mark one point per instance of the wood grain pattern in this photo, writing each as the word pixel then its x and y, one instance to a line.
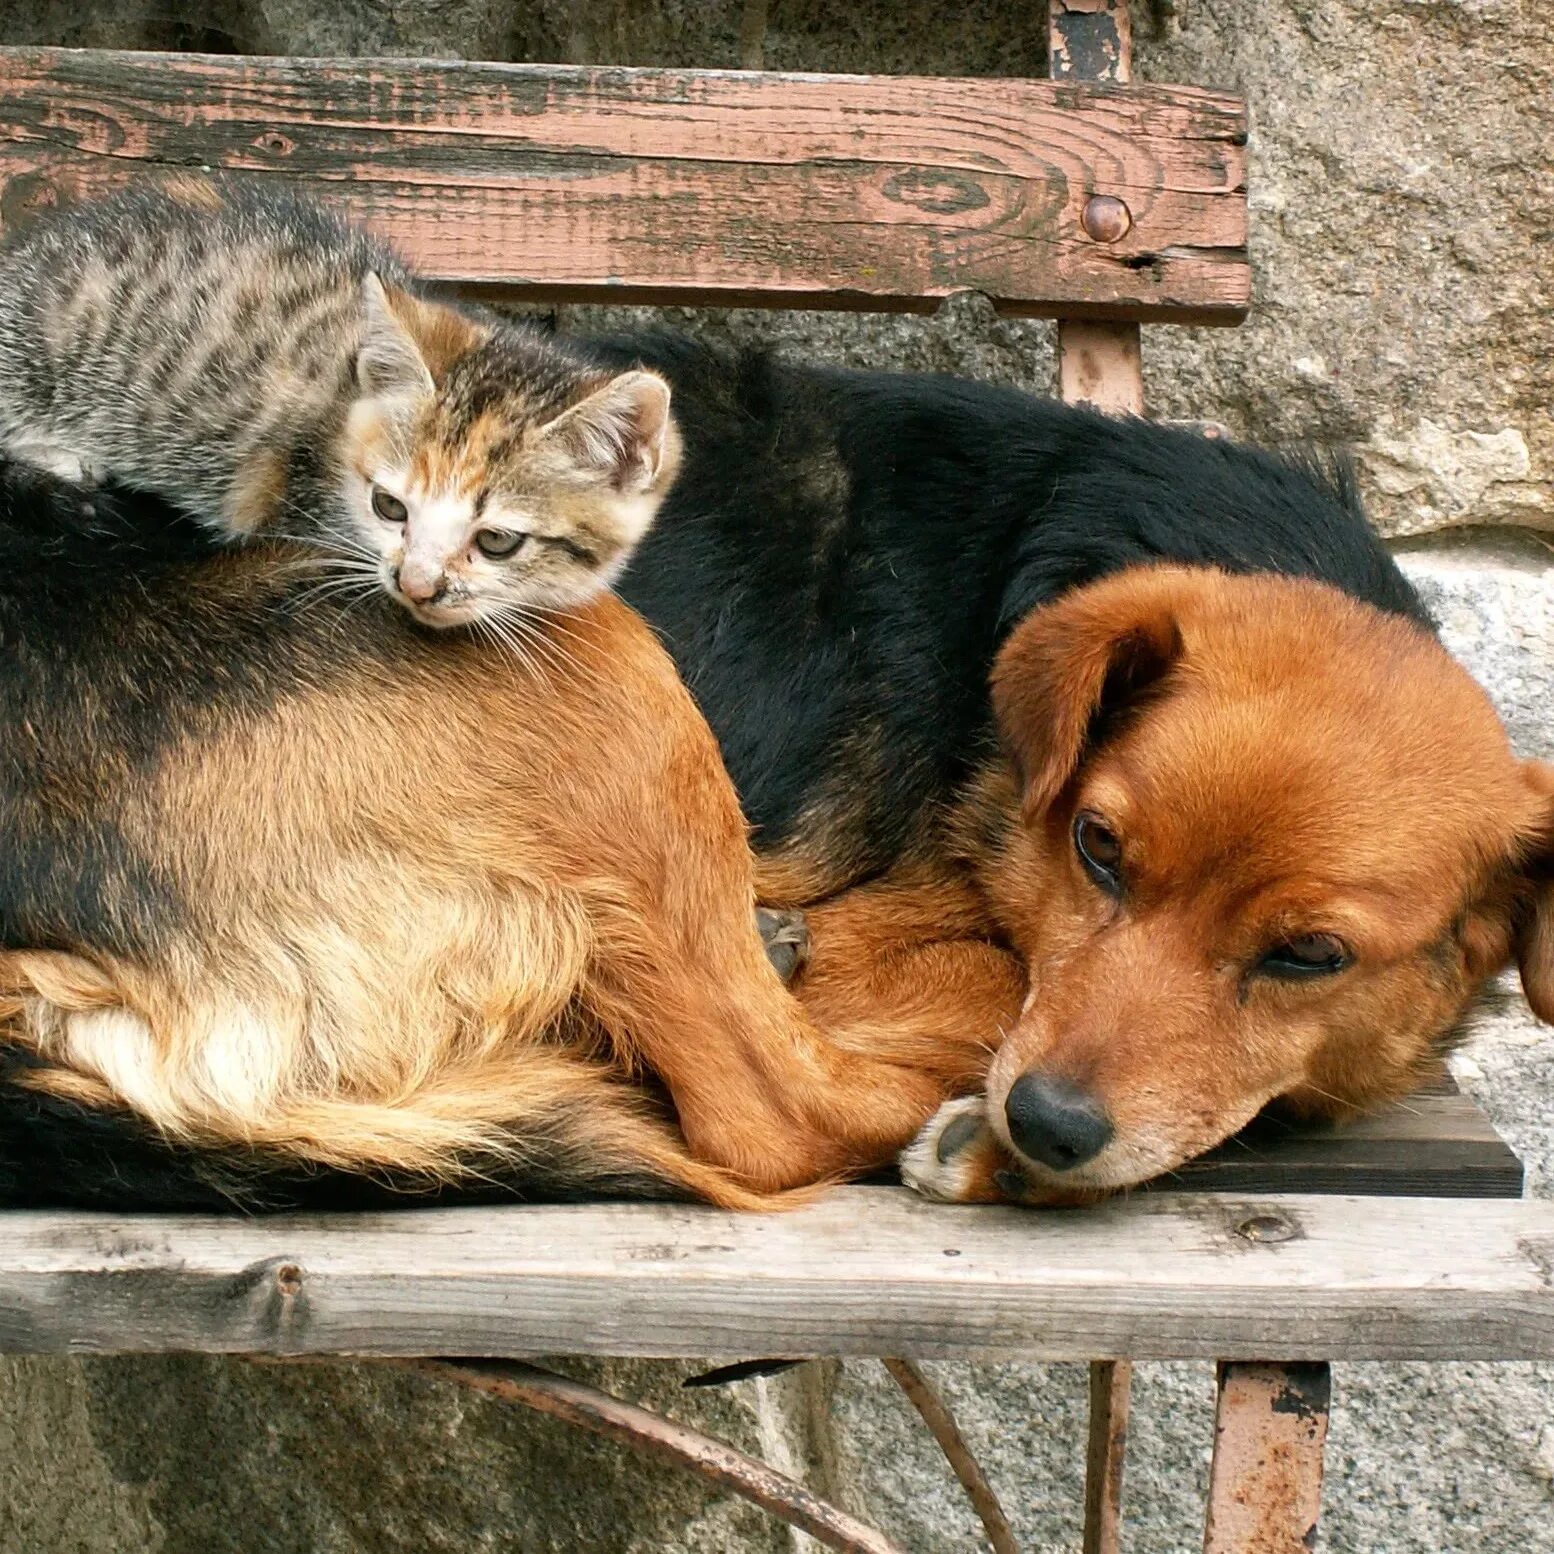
pixel 560 182
pixel 863 1271
pixel 1433 1145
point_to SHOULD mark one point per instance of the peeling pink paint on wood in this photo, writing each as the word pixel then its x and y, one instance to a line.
pixel 684 185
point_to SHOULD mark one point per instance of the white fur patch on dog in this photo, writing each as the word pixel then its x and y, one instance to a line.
pixel 939 1162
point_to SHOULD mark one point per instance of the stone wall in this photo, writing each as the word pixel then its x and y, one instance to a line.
pixel 1403 212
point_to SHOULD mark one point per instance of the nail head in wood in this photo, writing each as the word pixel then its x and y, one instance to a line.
pixel 1267 1227
pixel 1106 218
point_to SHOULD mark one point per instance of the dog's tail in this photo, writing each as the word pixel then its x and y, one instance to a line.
pixel 67 1143
pixel 517 1121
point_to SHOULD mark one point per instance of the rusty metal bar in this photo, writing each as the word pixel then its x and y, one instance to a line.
pixel 1265 1482
pixel 936 1415
pixel 1098 364
pixel 1111 1383
pixel 601 1413
pixel 511 1381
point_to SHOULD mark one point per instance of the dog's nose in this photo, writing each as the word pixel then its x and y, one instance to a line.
pixel 1055 1122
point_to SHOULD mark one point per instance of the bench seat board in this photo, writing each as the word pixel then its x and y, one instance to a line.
pixel 562 183
pixel 1435 1144
pixel 865 1270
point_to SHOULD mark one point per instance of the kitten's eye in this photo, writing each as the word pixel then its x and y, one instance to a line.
pixel 388 506
pixel 1310 955
pixel 1100 851
pixel 497 543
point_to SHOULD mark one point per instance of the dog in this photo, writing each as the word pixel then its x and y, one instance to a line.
pixel 1069 739
pixel 1120 762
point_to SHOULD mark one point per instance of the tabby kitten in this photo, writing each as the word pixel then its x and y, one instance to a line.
pixel 275 373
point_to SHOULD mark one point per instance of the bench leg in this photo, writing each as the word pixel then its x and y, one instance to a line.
pixel 1265 1483
pixel 1110 1384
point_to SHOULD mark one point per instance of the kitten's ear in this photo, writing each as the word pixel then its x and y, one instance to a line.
pixel 622 431
pixel 389 362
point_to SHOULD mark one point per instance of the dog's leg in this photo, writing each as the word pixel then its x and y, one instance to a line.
pixel 912 1001
pixel 957 1158
pixel 760 1085
pixel 908 971
pixel 759 1090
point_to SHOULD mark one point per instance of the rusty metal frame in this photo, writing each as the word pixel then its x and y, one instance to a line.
pixel 936 1415
pixel 629 1424
pixel 1265 1481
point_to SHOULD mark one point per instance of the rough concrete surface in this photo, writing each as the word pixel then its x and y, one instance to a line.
pixel 1403 216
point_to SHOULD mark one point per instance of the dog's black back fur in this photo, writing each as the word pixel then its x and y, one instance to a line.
pixel 843 553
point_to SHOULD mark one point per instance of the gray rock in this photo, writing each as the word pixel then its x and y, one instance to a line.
pixel 1493 598
pixel 213 1456
pixel 1403 299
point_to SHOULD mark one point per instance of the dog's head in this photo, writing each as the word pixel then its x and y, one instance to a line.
pixel 1271 843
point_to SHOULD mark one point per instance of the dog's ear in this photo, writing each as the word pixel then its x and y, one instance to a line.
pixel 1535 931
pixel 1070 669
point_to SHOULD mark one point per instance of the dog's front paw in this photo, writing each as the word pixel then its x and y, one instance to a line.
pixel 957 1158
pixel 785 936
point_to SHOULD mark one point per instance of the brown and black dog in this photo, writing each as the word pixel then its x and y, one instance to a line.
pixel 1175 843
pixel 1256 842
pixel 299 905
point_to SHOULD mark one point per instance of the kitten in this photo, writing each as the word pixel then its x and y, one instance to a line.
pixel 276 374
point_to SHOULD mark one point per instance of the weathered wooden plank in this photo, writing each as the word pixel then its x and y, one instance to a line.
pixel 862 1271
pixel 1437 1146
pixel 561 182
pixel 1099 363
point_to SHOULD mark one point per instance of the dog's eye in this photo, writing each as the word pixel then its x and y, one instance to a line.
pixel 1311 955
pixel 388 506
pixel 1099 851
pixel 497 543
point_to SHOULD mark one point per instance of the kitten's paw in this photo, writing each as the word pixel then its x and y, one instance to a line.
pixel 786 938
pixel 957 1158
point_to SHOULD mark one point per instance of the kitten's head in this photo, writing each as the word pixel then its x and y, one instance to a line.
pixel 487 471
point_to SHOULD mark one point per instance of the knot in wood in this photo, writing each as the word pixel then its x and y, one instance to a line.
pixel 1266 1227
pixel 1106 218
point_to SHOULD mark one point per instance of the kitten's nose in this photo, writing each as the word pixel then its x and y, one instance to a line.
pixel 421 584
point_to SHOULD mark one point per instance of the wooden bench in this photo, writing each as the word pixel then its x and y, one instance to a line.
pixel 1082 198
